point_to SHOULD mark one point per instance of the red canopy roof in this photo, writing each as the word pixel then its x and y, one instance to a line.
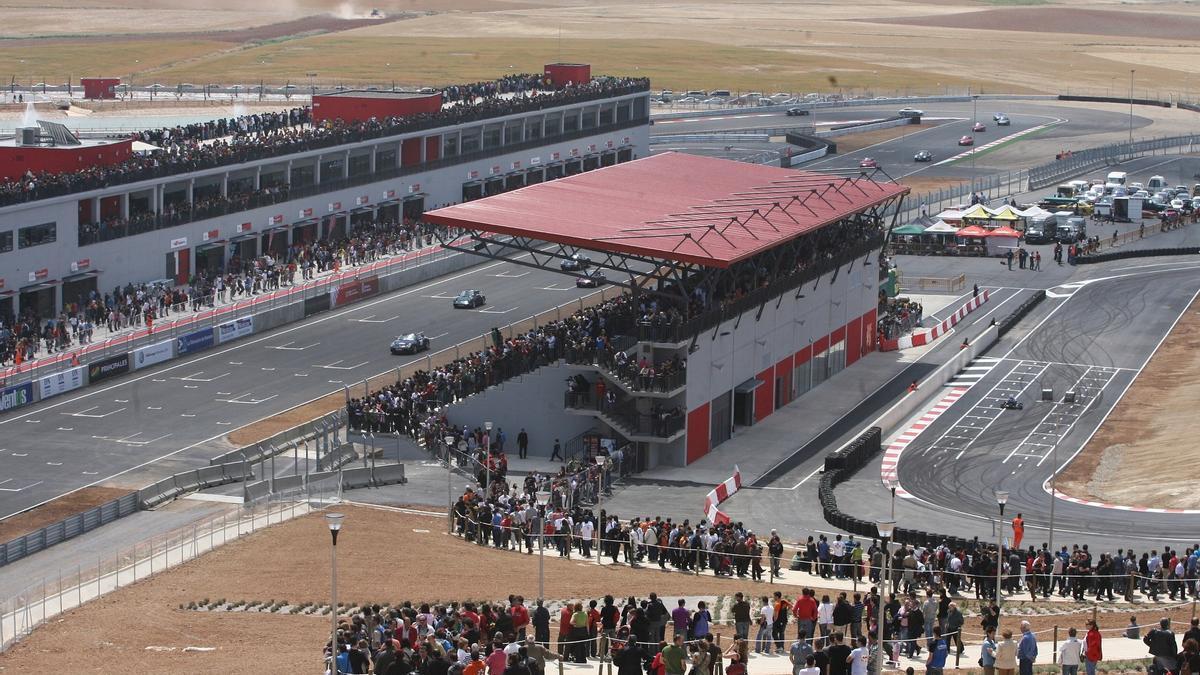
pixel 672 206
pixel 972 231
pixel 1004 231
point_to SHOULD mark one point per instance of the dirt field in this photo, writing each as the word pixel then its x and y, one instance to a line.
pixel 1134 459
pixel 885 46
pixel 142 628
pixel 854 142
pixel 54 511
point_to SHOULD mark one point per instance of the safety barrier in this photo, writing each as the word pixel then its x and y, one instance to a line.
pixel 1135 253
pixel 858 127
pixel 192 480
pixel 389 474
pixel 854 103
pixel 67 528
pixel 340 457
pixel 925 337
pixel 1116 99
pixel 1024 308
pixel 943 284
pixel 710 138
pixel 1076 163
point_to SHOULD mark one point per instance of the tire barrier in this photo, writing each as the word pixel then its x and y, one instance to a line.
pixel 1116 99
pixel 1023 309
pixel 1135 253
pixel 719 494
pixel 1188 106
pixel 809 143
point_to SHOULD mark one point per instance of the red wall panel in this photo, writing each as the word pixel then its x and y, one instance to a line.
pixel 820 345
pixel 783 371
pixel 16 160
pixel 803 356
pixel 85 211
pixel 410 152
pixel 110 208
pixel 560 74
pixel 838 335
pixel 697 433
pixel 853 340
pixel 359 108
pixel 764 395
pixel 433 148
pixel 99 87
pixel 868 331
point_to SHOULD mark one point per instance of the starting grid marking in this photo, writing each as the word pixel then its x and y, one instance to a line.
pixel 987 410
pixel 891 456
pixel 975 371
pixel 1061 418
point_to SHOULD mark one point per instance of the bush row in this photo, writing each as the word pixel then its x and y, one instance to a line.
pixel 1135 253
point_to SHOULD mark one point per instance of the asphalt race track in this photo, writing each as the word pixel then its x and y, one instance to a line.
pixel 167 415
pixel 1093 342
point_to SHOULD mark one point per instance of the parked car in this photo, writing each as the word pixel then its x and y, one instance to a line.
pixel 979 126
pixel 967 140
pixel 996 117
pixel 910 112
pixel 868 163
pixel 1003 122
pixel 469 300
pixel 923 156
pixel 410 344
pixel 797 112
pixel 575 263
pixel 591 279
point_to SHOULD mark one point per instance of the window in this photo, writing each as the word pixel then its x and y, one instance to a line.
pixel 385 159
pixel 512 132
pixel 571 120
pixel 589 117
pixel 801 376
pixel 606 114
pixel 554 123
pixel 449 145
pixel 36 235
pixel 819 371
pixel 491 136
pixel 837 358
pixel 6 241
pixel 533 128
pixel 470 140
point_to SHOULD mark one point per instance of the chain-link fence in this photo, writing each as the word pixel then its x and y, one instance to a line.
pixel 1075 163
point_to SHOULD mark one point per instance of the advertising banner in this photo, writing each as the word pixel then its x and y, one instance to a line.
pixel 152 354
pixel 194 342
pixel 16 396
pixel 354 291
pixel 235 329
pixel 59 383
pixel 110 367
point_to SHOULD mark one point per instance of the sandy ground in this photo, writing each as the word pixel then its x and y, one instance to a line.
pixel 854 142
pixel 143 629
pixel 1134 459
pixel 873 47
pixel 56 510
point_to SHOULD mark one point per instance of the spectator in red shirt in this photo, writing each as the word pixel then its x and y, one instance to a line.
pixel 520 616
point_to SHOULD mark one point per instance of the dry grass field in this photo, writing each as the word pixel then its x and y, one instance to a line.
pixel 878 46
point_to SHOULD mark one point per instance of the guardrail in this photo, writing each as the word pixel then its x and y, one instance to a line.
pixel 67 528
pixel 943 284
pixel 994 187
pixel 1075 163
pixel 710 138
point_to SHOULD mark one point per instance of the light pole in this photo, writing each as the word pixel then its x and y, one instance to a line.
pixel 885 527
pixel 892 484
pixel 487 447
pixel 334 520
pixel 1131 72
pixel 449 490
pixel 1001 500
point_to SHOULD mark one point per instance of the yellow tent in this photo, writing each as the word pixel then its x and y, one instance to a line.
pixel 1004 213
pixel 977 212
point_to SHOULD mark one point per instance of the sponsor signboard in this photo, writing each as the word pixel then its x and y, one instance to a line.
pixel 389 194
pixel 210 235
pixel 534 161
pixel 414 188
pixel 1 283
pixel 609 143
pixel 178 243
pixel 235 329
pixel 81 264
pixel 364 199
pixel 335 206
pixel 472 175
pixel 110 367
pixel 574 152
pixel 194 342
pixel 516 164
pixel 16 396
pixel 306 213
pixel 245 227
pixel 495 169
pixel 60 383
pixel 354 291
pixel 38 275
pixel 275 219
pixel 554 156
pixel 152 354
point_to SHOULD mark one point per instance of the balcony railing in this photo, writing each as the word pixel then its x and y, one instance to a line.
pixel 89 234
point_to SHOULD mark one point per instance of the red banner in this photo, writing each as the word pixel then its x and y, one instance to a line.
pixel 353 291
pixel 83 264
pixel 211 234
pixel 275 219
pixel 306 213
pixel 244 227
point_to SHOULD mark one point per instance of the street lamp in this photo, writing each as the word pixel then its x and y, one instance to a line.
pixel 334 520
pixel 885 527
pixel 1001 500
pixel 487 446
pixel 449 440
pixel 892 484
pixel 1131 72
